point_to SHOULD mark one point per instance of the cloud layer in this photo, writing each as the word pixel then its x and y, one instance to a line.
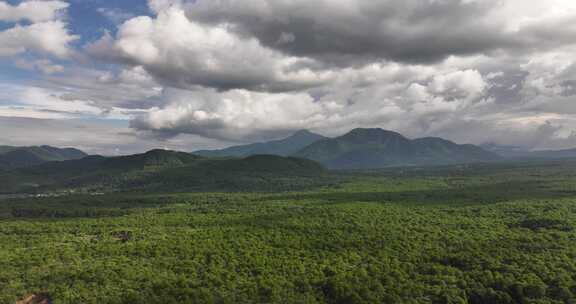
pixel 474 71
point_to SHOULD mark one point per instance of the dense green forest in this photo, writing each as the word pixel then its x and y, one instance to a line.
pixel 166 171
pixel 498 233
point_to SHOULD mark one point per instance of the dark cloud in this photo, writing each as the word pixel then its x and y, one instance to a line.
pixel 362 31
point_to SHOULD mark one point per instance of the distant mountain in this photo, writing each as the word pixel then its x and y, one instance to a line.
pixel 283 147
pixel 513 152
pixel 377 148
pixel 554 154
pixel 18 157
pixel 161 170
pixel 507 151
pixel 153 158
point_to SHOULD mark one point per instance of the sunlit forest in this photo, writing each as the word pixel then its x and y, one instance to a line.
pixel 501 233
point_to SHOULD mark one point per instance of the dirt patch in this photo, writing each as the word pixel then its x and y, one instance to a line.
pixel 37 298
pixel 537 224
pixel 122 236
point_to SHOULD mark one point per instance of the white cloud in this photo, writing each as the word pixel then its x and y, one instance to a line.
pixel 161 5
pixel 520 84
pixel 459 84
pixel 182 53
pixel 49 38
pixel 34 11
pixel 384 95
pixel 37 102
pixel 130 88
pixel 232 115
pixel 43 65
pixel 40 103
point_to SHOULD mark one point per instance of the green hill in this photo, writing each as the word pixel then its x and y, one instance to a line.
pixel 377 148
pixel 160 170
pixel 19 157
pixel 283 147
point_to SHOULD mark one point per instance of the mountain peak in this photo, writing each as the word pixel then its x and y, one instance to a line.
pixel 159 151
pixel 372 135
pixel 378 148
pixel 282 147
pixel 303 132
pixel 369 131
pixel 304 135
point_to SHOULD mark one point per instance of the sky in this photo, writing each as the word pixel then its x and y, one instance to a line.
pixel 119 77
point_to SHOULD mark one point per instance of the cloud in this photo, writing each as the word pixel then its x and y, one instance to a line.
pixel 45 33
pixel 106 137
pixel 234 115
pixel 40 103
pixel 393 94
pixel 50 38
pixel 256 69
pixel 358 31
pixel 160 5
pixel 458 84
pixel 216 71
pixel 131 88
pixel 43 65
pixel 417 100
pixel 33 11
pixel 181 53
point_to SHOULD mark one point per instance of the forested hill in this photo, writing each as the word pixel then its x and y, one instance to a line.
pixel 19 157
pixel 160 170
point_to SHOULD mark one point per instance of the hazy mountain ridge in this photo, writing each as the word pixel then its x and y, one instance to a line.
pixel 282 147
pixel 513 152
pixel 378 148
pixel 19 157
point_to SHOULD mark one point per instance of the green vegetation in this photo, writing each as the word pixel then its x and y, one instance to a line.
pixel 502 233
pixel 161 170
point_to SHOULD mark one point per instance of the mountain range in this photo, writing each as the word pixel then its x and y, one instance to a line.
pixel 363 149
pixel 294 162
pixel 378 148
pixel 19 157
pixel 282 147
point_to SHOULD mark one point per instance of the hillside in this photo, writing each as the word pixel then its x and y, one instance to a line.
pixel 377 148
pixel 160 170
pixel 283 147
pixel 19 157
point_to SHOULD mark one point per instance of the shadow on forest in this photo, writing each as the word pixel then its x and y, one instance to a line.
pixel 82 206
pixel 121 205
pixel 464 196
